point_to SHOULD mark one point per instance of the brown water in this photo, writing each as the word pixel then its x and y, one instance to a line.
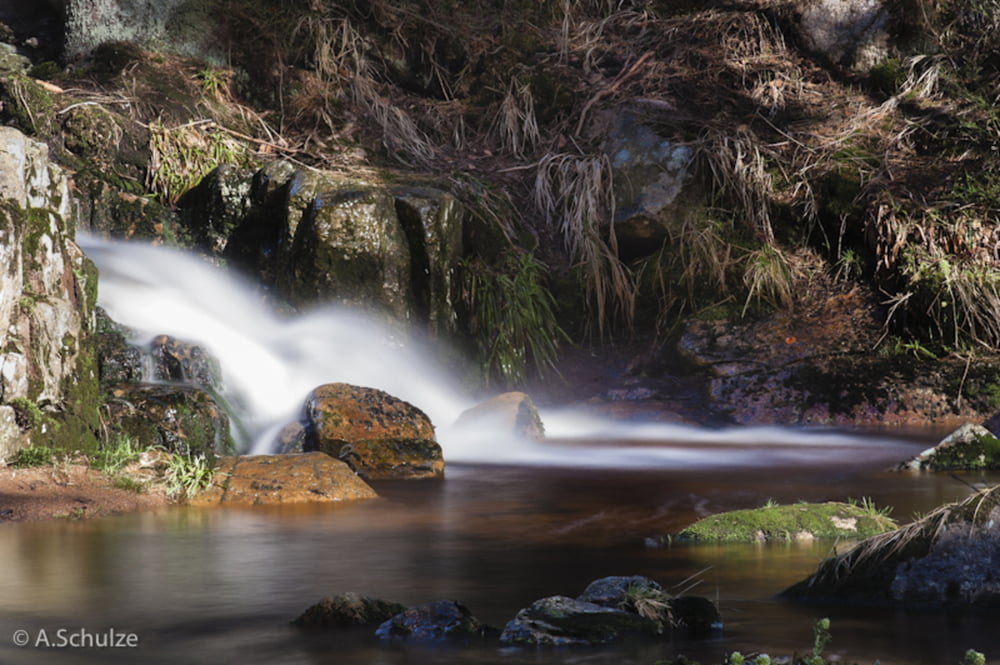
pixel 220 586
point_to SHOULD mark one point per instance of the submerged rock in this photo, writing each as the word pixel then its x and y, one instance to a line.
pixel 948 558
pixel 177 361
pixel 970 447
pixel 283 479
pixel 508 413
pixel 348 609
pixel 800 521
pixel 436 621
pixel 379 435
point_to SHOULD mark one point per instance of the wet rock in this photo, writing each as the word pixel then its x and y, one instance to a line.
pixel 118 360
pixel 214 208
pixel 800 521
pixel 177 361
pixel 179 419
pixel 394 458
pixel 564 621
pixel 614 591
pixel 695 616
pixel 970 447
pixel 947 558
pixel 348 609
pixel 350 248
pixel 379 435
pixel 436 621
pixel 511 413
pixel 283 479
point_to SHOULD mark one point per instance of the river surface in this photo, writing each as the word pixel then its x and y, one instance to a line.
pixel 221 585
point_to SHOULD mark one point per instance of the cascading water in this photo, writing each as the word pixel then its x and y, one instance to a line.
pixel 270 364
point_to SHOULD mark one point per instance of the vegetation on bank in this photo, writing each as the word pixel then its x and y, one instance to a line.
pixel 801 169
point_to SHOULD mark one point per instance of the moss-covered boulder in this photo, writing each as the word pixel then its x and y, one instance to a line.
pixel 947 558
pixel 178 419
pixel 969 448
pixel 282 479
pixel 799 521
pixel 379 435
pixel 348 609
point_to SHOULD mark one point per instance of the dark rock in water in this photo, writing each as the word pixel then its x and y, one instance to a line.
pixel 564 621
pixel 394 458
pixel 177 361
pixel 379 435
pixel 118 361
pixel 614 591
pixel 348 609
pixel 216 207
pixel 508 413
pixel 283 479
pixel 948 558
pixel 970 447
pixel 695 616
pixel 179 419
pixel 436 621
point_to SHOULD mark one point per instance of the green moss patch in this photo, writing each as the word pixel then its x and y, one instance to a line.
pixel 800 521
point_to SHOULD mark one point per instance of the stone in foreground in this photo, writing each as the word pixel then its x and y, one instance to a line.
pixel 348 609
pixel 283 479
pixel 434 622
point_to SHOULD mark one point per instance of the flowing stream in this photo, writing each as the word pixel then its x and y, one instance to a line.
pixel 511 522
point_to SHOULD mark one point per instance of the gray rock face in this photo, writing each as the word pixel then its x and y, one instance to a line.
pixel 852 33
pixel 185 27
pixel 47 303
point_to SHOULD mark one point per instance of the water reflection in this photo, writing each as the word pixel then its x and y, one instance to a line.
pixel 203 586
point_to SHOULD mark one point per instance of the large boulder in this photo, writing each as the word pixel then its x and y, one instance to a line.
pixel 185 27
pixel 283 479
pixel 850 33
pixel 48 368
pixel 317 237
pixel 436 621
pixel 947 558
pixel 379 435
pixel 969 448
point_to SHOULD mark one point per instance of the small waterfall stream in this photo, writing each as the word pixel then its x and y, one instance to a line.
pixel 271 363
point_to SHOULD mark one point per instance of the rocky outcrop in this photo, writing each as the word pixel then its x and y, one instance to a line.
pixel 512 413
pixel 177 361
pixel 348 609
pixel 434 622
pixel 282 479
pixel 379 435
pixel 969 448
pixel 187 27
pixel 947 558
pixel 179 419
pixel 317 237
pixel 814 365
pixel 48 371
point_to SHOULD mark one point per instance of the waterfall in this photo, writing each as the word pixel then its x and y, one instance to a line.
pixel 270 364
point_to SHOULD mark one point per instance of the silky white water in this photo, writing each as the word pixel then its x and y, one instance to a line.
pixel 270 364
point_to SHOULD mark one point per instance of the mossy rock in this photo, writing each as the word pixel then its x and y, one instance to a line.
pixel 26 105
pixel 348 609
pixel 969 448
pixel 800 521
